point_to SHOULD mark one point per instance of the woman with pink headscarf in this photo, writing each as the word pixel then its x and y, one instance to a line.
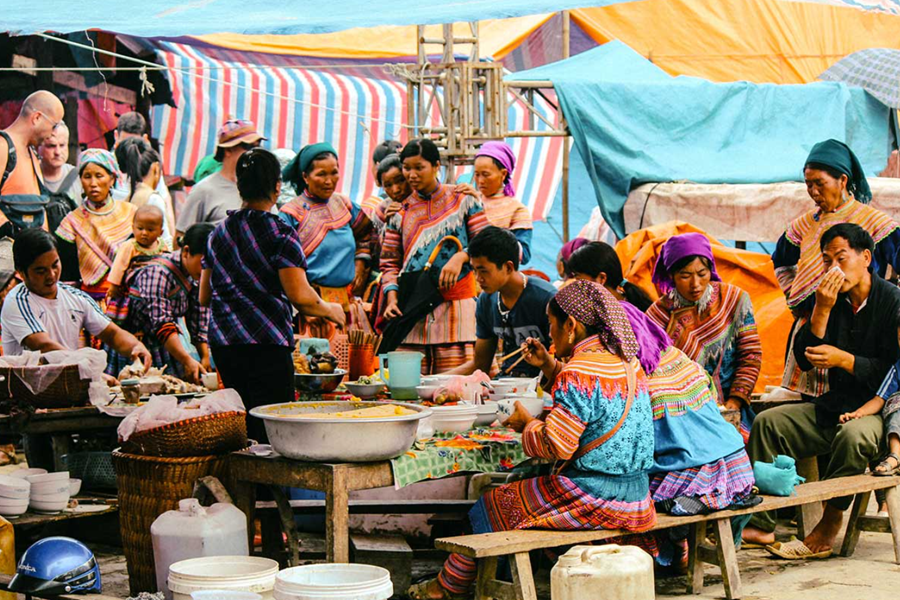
pixel 494 166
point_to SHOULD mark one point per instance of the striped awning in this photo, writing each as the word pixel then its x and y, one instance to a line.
pixel 353 106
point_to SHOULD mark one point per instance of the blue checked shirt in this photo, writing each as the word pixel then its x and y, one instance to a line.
pixel 244 254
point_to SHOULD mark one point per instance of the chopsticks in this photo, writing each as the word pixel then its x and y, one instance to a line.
pixel 358 337
pixel 513 366
pixel 506 357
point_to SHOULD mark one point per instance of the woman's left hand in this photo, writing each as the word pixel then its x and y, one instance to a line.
pixel 519 419
pixel 140 352
pixel 450 272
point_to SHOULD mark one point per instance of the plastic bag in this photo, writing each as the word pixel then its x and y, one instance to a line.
pixel 465 388
pixel 777 478
pixel 163 410
pixel 42 369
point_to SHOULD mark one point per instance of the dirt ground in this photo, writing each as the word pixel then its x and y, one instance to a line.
pixel 869 574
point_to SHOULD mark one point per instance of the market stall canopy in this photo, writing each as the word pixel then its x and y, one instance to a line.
pixel 876 70
pixel 180 17
pixel 633 123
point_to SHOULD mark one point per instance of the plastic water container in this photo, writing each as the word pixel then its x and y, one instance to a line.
pixel 404 374
pixel 193 531
pixel 224 595
pixel 334 582
pixel 229 573
pixel 607 572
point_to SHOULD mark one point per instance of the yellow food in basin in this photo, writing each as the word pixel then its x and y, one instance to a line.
pixel 374 412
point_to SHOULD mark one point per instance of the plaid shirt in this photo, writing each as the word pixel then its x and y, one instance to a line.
pixel 244 255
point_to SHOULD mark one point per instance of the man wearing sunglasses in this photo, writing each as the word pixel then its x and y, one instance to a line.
pixel 211 199
pixel 40 115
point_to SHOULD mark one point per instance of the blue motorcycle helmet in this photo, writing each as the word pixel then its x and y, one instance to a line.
pixel 56 565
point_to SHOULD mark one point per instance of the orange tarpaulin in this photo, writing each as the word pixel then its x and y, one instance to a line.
pixel 750 271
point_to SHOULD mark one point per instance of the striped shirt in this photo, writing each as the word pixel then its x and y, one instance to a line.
pixel 62 318
pixel 244 255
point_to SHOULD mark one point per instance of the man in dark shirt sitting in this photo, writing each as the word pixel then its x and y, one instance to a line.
pixel 853 333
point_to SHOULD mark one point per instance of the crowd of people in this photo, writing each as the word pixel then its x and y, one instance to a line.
pixel 638 386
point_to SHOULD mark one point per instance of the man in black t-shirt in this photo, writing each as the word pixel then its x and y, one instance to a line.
pixel 511 307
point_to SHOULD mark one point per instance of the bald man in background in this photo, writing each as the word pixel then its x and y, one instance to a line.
pixel 40 115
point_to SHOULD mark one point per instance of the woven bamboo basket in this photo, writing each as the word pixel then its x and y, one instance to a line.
pixel 66 391
pixel 220 433
pixel 149 486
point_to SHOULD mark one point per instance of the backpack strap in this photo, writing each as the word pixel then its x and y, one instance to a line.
pixel 173 268
pixel 11 159
pixel 68 180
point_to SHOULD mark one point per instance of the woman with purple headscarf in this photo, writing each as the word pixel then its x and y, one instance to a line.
pixel 710 321
pixel 699 461
pixel 494 166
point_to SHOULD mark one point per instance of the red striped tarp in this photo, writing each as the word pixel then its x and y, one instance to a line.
pixel 295 101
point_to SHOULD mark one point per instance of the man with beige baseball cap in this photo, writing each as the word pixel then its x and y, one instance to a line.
pixel 211 199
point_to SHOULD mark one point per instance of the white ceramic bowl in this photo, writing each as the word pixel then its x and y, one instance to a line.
pixel 14 487
pixel 58 497
pixel 487 413
pixel 74 487
pixel 13 502
pixel 54 506
pixel 450 419
pixel 426 392
pixel 50 488
pixel 26 473
pixel 502 388
pixel 533 404
pixel 59 476
pixel 516 386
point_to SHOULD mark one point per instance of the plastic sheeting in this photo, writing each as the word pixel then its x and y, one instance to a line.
pixel 751 271
pixel 634 124
pixel 183 17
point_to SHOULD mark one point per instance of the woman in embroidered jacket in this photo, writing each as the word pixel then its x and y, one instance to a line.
pixel 600 425
pixel 334 233
pixel 710 321
pixel 836 182
pixel 163 292
pixel 432 212
pixel 100 224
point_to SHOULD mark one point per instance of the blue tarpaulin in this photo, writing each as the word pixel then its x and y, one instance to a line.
pixel 633 124
pixel 197 17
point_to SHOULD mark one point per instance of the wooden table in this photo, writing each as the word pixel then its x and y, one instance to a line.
pixel 60 424
pixel 336 480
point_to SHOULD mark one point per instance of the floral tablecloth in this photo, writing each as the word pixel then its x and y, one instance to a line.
pixel 488 450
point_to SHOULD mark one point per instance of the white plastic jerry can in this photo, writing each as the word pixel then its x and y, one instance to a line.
pixel 193 531
pixel 607 572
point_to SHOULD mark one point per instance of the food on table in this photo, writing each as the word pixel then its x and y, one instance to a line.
pixel 301 363
pixel 374 412
pixel 367 380
pixel 445 397
pixel 156 381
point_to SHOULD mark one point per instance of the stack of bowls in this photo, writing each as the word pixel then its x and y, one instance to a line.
pixel 14 494
pixel 49 492
pixel 487 413
pixel 455 418
pixel 26 473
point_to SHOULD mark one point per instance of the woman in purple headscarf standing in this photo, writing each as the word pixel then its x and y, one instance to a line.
pixel 494 166
pixel 710 321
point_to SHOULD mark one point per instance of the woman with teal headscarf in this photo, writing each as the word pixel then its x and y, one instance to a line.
pixel 335 233
pixel 836 182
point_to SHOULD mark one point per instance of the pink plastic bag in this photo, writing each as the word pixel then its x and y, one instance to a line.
pixel 465 388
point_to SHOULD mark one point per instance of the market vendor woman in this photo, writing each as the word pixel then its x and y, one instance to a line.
pixel 162 293
pixel 334 233
pixel 601 425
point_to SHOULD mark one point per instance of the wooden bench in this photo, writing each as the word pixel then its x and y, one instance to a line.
pixel 487 548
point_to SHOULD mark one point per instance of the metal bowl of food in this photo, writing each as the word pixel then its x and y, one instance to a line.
pixel 319 431
pixel 319 383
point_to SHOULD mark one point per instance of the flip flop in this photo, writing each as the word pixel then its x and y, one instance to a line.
pixel 796 550
pixel 752 546
pixel 889 472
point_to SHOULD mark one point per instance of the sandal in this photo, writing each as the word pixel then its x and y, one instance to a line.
pixel 419 591
pixel 796 550
pixel 884 468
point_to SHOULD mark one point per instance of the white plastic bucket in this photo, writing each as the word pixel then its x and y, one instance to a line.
pixel 230 573
pixel 334 582
pixel 224 595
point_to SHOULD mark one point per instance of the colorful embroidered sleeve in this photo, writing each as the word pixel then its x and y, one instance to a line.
pixel 521 218
pixel 748 352
pixel 658 314
pixel 392 254
pixel 785 258
pixel 556 438
pixel 362 231
pixel 66 230
pixel 476 219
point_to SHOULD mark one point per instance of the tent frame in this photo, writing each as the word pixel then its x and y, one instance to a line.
pixel 470 101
